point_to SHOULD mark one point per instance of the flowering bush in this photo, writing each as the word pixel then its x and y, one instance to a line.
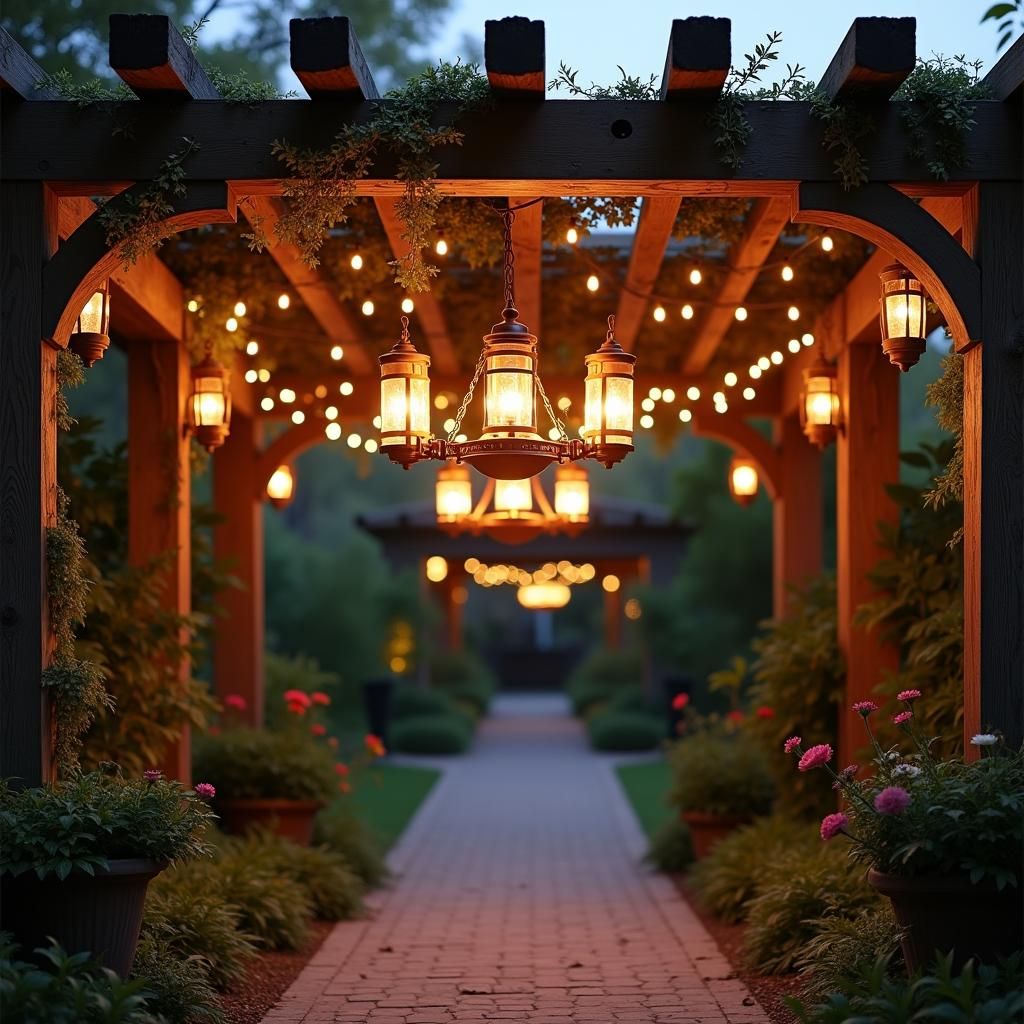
pixel 919 815
pixel 720 774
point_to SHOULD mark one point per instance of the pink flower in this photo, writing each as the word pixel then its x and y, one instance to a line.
pixel 679 701
pixel 152 775
pixel 793 743
pixel 902 718
pixel 297 697
pixel 865 707
pixel 892 800
pixel 765 712
pixel 205 790
pixel 319 697
pixel 317 729
pixel 235 701
pixel 908 695
pixel 815 757
pixel 832 825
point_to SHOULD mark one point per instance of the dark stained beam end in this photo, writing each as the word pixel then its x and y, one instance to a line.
pixel 1006 78
pixel 327 59
pixel 699 56
pixel 874 58
pixel 149 55
pixel 20 75
pixel 514 57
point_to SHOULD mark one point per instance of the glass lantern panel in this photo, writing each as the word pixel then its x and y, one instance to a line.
pixel 821 403
pixel 91 319
pixel 280 484
pixel 509 398
pixel 209 403
pixel 904 312
pixel 572 498
pixel 744 480
pixel 512 496
pixel 419 406
pixel 454 499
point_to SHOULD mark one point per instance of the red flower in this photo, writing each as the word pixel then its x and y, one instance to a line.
pixel 765 712
pixel 679 701
pixel 319 697
pixel 297 697
pixel 317 729
pixel 235 701
pixel 341 769
pixel 374 745
pixel 296 708
pixel 734 716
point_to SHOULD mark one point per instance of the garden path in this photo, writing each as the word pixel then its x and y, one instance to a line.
pixel 520 897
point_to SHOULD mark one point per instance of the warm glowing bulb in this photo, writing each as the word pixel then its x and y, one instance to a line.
pixel 408 305
pixel 722 407
pixel 826 243
pixel 744 479
pixel 449 425
pixel 572 236
pixel 251 376
pixel 284 300
pixel 266 403
pixel 787 272
pixel 654 393
pixel 718 397
pixel 659 314
pixel 593 283
pixel 749 393
pixel 777 357
pixel 231 324
pixel 693 393
pixel 264 375
pixel 368 307
pixel 687 312
pixel 377 421
pixel 730 379
pixel 741 313
pixel 333 431
pixel 441 247
pixel 554 434
pixel 437 568
pixel 331 412
pixel 793 313
pixel 370 445
pixel 807 340
pixel 647 422
pixel 337 352
pixel 353 440
pixel 320 391
pixel 193 305
pixel 668 395
pixel 356 263
pixel 647 405
pixel 685 415
pixel 755 371
pixel 765 363
pixel 286 395
pixel 298 417
pixel 239 309
pixel 252 347
pixel 793 345
pixel 564 402
pixel 611 583
pixel 696 276
pixel 346 387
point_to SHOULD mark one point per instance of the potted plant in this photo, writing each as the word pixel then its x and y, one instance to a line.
pixel 719 783
pixel 76 858
pixel 944 839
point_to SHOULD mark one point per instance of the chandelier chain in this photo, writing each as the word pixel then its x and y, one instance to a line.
pixel 460 415
pixel 556 422
pixel 509 259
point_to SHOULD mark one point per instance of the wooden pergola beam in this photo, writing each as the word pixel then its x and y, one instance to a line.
pixel 328 60
pixel 150 57
pixel 874 58
pixel 428 308
pixel 653 231
pixel 514 58
pixel 317 295
pixel 765 221
pixel 20 75
pixel 528 246
pixel 699 56
pixel 1006 78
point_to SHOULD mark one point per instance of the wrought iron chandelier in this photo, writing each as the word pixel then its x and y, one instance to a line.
pixel 510 446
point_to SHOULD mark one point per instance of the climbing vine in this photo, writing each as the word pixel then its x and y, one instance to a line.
pixel 947 396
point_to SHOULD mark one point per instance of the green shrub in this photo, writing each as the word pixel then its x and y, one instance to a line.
pixel 408 700
pixel 632 699
pixel 844 946
pixel 198 921
pixel 341 831
pixel 431 734
pixel 464 678
pixel 671 847
pixel 795 894
pixel 253 764
pixel 284 673
pixel 602 675
pixel 178 988
pixel 334 891
pixel 625 731
pixel 985 994
pixel 67 990
pixel 728 878
pixel 720 774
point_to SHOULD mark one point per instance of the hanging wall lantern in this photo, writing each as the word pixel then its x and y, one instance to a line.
pixel 572 494
pixel 453 493
pixel 210 403
pixel 91 337
pixel 903 316
pixel 820 411
pixel 543 597
pixel 743 480
pixel 510 446
pixel 281 486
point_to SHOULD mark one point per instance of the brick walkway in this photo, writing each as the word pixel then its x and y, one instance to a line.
pixel 520 898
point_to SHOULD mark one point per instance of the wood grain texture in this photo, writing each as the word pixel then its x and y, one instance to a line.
pixel 873 59
pixel 28 439
pixel 159 490
pixel 328 60
pixel 698 59
pixel 1006 77
pixel 766 219
pixel 238 541
pixel 653 231
pixel 150 57
pixel 428 308
pixel 528 246
pixel 514 58
pixel 20 75
pixel 867 459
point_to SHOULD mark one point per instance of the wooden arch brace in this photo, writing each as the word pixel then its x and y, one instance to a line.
pixel 894 222
pixel 743 439
pixel 286 447
pixel 85 260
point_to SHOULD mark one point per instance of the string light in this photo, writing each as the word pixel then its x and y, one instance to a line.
pixel 252 347
pixel 722 407
pixel 647 422
pixel 777 357
pixel 193 305
pixel 449 425
pixel 370 445
pixel 239 309
pixel 337 352
pixel 408 305
pixel 564 402
pixel 572 236
pixel 793 345
pixel 263 375
pixel 668 395
pixel 807 340
pixel 353 440
pixel 441 245
pixel 730 379
pixel 298 417
pixel 659 314
pixel 266 403
pixel 687 312
pixel 793 313
pixel 320 391
pixel 286 395
pixel 827 244
pixel 440 401
pixel 654 393
pixel 685 415
pixel 693 393
pixel 376 422
pixel 346 387
pixel 696 276
pixel 356 263
pixel 368 307
pixel 331 412
pixel 741 313
pixel 765 363
pixel 333 431
pixel 461 438
pixel 718 397
pixel 284 300
pixel 787 272
pixel 251 376
pixel 749 393
pixel 647 405
pixel 593 283
pixel 231 324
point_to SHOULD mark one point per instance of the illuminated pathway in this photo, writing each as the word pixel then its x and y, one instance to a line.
pixel 520 898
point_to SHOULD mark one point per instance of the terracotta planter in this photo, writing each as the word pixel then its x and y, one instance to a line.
pixel 100 914
pixel 708 829
pixel 292 819
pixel 949 913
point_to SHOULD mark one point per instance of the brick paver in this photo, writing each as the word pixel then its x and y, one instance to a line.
pixel 520 898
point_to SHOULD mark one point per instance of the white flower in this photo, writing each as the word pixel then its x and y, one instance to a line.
pixel 984 739
pixel 910 770
pixel 892 755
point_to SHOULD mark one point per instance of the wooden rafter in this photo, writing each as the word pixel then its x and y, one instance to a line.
pixel 20 75
pixel 766 219
pixel 151 58
pixel 514 57
pixel 871 62
pixel 528 246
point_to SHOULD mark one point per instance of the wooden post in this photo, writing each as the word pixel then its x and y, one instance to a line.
pixel 28 480
pixel 797 513
pixel 238 539
pixel 867 460
pixel 994 473
pixel 454 591
pixel 159 490
pixel 613 619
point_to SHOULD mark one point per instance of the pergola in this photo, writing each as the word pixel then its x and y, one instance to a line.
pixel 963 238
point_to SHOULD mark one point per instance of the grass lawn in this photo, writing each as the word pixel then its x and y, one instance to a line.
pixel 647 785
pixel 386 797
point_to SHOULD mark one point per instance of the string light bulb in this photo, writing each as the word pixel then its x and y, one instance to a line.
pixel 787 272
pixel 693 393
pixel 337 352
pixel 685 415
pixel 572 236
pixel 593 283
pixel 440 246
pixel 827 244
pixel 368 307
pixel 807 340
pixel 793 313
pixel 264 375
pixel 408 305
pixel 333 431
pixel 298 417
pixel 741 313
pixel 765 363
pixel 696 276
pixel 793 345
pixel 231 325
pixel 252 347
pixel 356 263
pixel 284 300
pixel 346 388
pixel 239 309
pixel 687 312
pixel 755 372
pixel 777 357
pixel 251 376
pixel 749 393
pixel 659 314
pixel 193 305
pixel 730 379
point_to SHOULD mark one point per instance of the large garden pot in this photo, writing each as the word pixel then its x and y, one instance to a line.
pixel 708 829
pixel 947 913
pixel 100 914
pixel 292 819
